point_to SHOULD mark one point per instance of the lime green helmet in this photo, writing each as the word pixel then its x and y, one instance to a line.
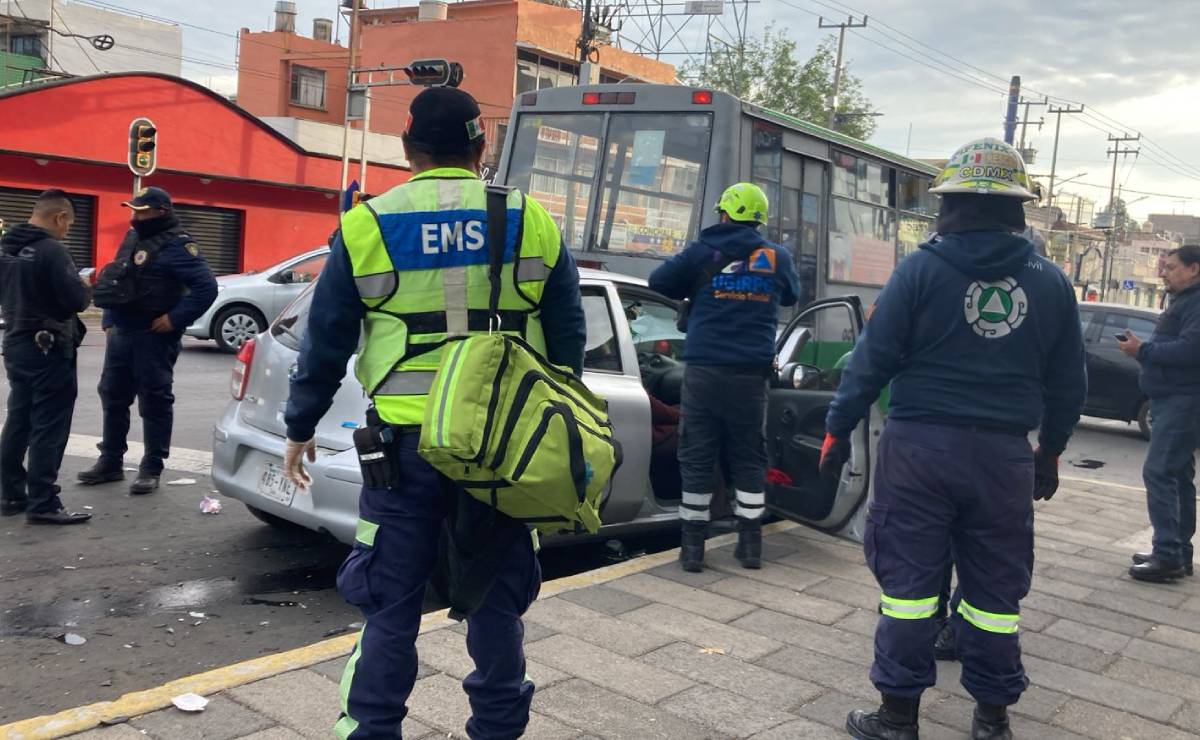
pixel 985 167
pixel 744 202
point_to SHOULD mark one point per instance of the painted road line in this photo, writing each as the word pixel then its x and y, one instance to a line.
pixel 1089 481
pixel 182 459
pixel 135 704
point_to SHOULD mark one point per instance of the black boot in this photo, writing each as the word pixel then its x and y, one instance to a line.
pixel 896 719
pixel 1155 570
pixel 143 484
pixel 102 472
pixel 990 723
pixel 946 648
pixel 1140 558
pixel 691 546
pixel 749 544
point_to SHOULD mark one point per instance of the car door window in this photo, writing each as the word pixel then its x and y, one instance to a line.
pixel 1085 324
pixel 821 338
pixel 652 323
pixel 1115 323
pixel 602 351
pixel 307 271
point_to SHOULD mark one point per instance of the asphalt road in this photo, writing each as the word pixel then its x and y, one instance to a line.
pixel 160 591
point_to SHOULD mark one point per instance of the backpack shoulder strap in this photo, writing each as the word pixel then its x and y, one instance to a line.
pixel 497 233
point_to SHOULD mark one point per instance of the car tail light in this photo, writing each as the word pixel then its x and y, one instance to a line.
pixel 702 97
pixel 241 370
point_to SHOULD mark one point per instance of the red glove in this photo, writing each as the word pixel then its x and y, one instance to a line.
pixel 835 452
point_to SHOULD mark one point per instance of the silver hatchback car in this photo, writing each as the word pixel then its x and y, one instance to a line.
pixel 248 302
pixel 631 359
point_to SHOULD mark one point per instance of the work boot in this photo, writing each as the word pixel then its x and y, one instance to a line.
pixel 101 472
pixel 1156 570
pixel 143 484
pixel 691 546
pixel 896 719
pixel 12 508
pixel 749 544
pixel 990 723
pixel 1140 558
pixel 62 516
pixel 946 647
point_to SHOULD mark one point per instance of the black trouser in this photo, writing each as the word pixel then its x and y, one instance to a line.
pixel 724 409
pixel 138 364
pixel 41 401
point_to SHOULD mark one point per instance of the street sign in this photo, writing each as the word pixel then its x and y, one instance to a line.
pixel 1127 284
pixel 704 7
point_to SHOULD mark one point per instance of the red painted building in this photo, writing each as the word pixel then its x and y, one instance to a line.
pixel 249 195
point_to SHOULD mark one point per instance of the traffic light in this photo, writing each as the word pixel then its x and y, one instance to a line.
pixel 143 145
pixel 434 73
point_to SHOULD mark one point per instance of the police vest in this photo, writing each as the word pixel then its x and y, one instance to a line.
pixel 420 263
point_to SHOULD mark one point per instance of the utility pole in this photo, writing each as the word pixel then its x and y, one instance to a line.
pixel 837 69
pixel 1025 121
pixel 349 85
pixel 1057 112
pixel 1110 242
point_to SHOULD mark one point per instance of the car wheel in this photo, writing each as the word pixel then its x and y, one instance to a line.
pixel 235 325
pixel 1143 419
pixel 275 521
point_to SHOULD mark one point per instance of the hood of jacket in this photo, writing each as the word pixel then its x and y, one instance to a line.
pixel 21 236
pixel 983 255
pixel 732 240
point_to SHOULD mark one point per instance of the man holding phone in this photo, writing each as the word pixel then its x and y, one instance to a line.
pixel 1170 377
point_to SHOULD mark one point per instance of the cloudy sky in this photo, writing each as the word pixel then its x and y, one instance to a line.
pixel 941 67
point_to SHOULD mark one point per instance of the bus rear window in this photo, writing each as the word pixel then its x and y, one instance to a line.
pixel 652 169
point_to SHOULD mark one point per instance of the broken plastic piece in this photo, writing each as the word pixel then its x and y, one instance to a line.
pixel 182 482
pixel 190 702
pixel 71 638
pixel 210 505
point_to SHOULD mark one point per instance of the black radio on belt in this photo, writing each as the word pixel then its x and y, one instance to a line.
pixel 375 448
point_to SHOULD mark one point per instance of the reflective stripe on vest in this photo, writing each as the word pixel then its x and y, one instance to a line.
pixel 420 262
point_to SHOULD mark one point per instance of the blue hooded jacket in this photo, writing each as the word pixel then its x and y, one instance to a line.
pixel 733 319
pixel 973 328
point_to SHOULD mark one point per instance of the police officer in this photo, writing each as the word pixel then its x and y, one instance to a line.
pixel 156 286
pixel 410 269
pixel 980 340
pixel 41 293
pixel 736 281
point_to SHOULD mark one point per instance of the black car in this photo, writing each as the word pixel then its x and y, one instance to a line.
pixel 1113 391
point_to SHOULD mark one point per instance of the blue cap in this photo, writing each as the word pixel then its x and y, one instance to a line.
pixel 150 198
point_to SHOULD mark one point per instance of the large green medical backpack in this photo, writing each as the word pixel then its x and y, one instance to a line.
pixel 518 433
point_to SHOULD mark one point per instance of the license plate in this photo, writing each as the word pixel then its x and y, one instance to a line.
pixel 272 485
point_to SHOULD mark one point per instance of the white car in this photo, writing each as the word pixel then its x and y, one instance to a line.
pixel 247 303
pixel 631 354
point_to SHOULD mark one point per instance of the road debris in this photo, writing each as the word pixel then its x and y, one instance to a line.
pixel 190 702
pixel 210 505
pixel 70 638
pixel 182 482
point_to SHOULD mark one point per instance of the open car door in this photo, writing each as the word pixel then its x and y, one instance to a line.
pixel 810 352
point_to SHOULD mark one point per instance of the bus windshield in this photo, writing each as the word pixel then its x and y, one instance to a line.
pixel 651 176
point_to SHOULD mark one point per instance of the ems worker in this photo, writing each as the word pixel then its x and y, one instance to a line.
pixel 980 340
pixel 162 286
pixel 411 269
pixel 736 281
pixel 41 293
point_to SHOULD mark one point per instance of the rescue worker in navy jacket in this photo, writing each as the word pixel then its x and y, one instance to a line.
pixel 409 271
pixel 41 293
pixel 980 340
pixel 169 286
pixel 737 280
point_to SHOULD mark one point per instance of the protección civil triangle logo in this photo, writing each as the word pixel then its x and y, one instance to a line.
pixel 995 309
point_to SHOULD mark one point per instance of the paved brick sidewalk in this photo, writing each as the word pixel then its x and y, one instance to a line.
pixel 783 652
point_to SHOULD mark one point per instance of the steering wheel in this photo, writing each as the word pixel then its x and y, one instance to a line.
pixel 653 362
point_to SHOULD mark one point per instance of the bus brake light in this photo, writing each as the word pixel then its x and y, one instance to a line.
pixel 702 97
pixel 609 98
pixel 591 98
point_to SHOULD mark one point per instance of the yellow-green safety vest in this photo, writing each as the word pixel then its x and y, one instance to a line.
pixel 420 262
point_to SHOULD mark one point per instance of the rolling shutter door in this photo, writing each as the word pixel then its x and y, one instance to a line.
pixel 16 205
pixel 218 233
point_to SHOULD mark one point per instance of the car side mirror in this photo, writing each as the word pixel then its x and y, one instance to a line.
pixel 798 376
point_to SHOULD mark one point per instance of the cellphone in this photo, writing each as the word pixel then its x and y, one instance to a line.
pixel 1121 337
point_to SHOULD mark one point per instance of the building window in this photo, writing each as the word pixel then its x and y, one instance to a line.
pixel 535 72
pixel 308 87
pixel 29 45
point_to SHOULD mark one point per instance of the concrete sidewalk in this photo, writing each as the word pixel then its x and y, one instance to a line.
pixel 647 651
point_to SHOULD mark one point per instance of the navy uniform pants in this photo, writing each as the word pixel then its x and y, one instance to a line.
pixel 942 492
pixel 41 402
pixel 385 576
pixel 141 365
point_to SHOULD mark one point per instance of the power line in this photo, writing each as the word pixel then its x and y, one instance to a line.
pixel 76 38
pixel 49 53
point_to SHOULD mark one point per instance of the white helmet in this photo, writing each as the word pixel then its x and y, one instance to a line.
pixel 985 167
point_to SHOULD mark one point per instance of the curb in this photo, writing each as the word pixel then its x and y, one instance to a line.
pixel 137 703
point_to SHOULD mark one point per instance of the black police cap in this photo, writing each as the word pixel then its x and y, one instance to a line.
pixel 150 198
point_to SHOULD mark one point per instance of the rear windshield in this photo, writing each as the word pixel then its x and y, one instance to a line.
pixel 289 329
